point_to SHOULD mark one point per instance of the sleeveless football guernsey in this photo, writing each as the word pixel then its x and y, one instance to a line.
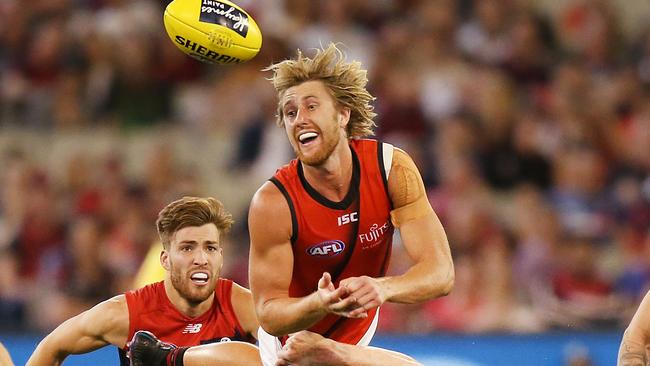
pixel 150 309
pixel 349 238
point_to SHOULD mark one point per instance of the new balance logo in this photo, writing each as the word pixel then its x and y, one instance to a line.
pixel 192 328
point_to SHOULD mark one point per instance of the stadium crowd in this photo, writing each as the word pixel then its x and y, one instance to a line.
pixel 531 128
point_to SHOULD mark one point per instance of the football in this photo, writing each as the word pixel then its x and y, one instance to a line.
pixel 213 31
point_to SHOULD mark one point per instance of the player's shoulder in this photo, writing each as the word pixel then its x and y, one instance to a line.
pixel 400 154
pixel 115 307
pixel 267 198
pixel 240 292
pixel 269 215
pixel 108 316
pixel 402 161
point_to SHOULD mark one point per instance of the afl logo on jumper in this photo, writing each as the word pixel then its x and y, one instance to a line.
pixel 328 248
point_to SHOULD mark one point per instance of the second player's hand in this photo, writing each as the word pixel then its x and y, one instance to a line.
pixel 366 291
pixel 338 300
pixel 307 349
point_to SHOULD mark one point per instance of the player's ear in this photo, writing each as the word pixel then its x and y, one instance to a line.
pixel 164 259
pixel 344 116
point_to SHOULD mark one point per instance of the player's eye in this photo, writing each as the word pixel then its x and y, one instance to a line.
pixel 311 107
pixel 290 113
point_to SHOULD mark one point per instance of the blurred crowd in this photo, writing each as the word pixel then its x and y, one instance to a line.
pixel 531 127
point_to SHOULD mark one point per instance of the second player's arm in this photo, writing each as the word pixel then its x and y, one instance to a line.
pixel 244 307
pixel 271 268
pixel 106 323
pixel 632 351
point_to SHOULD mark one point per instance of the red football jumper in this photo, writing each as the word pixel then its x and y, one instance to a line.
pixel 349 238
pixel 150 309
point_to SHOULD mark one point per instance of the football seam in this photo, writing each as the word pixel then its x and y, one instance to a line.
pixel 200 31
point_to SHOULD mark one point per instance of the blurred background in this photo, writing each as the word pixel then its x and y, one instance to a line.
pixel 529 120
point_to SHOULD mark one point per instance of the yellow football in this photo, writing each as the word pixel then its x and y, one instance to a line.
pixel 213 31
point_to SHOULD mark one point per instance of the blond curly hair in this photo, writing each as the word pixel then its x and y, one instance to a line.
pixel 346 82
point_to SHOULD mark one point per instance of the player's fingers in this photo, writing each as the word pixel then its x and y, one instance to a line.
pixel 354 314
pixel 325 282
pixel 368 300
pixel 358 313
pixel 346 303
pixel 336 295
pixel 357 284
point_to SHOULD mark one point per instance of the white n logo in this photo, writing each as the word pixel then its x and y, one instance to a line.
pixel 192 328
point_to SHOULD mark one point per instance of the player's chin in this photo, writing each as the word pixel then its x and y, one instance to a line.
pixel 201 287
pixel 198 295
pixel 314 158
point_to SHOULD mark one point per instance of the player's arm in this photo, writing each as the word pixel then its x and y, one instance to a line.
pixel 632 351
pixel 271 268
pixel 307 348
pixel 223 354
pixel 5 358
pixel 423 237
pixel 244 307
pixel 106 323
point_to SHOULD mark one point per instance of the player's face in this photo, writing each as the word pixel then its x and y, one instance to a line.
pixel 194 259
pixel 313 123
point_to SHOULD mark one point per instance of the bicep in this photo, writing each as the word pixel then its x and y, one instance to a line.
pixel 97 327
pixel 271 255
pixel 420 228
pixel 406 190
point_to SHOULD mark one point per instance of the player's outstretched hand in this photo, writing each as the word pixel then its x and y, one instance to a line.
pixel 305 349
pixel 337 300
pixel 366 292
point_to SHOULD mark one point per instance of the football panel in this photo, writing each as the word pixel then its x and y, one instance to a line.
pixel 234 26
pixel 211 48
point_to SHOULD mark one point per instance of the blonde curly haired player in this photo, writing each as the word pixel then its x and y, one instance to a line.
pixel 322 265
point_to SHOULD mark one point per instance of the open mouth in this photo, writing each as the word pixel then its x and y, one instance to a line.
pixel 199 278
pixel 307 137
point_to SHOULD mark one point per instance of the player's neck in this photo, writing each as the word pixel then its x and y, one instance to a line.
pixel 181 304
pixel 332 178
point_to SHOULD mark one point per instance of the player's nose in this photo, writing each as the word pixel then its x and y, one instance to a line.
pixel 200 257
pixel 301 115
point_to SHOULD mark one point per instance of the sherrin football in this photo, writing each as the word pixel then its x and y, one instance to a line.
pixel 213 31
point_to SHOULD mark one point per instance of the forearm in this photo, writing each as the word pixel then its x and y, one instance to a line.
pixel 419 283
pixel 351 355
pixel 46 355
pixel 632 352
pixel 284 316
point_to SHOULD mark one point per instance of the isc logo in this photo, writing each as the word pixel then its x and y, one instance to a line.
pixel 328 248
pixel 348 218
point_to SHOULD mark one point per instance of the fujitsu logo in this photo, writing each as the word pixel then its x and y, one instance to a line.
pixel 371 238
pixel 192 328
